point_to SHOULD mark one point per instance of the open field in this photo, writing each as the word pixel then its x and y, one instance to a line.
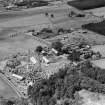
pixel 5 89
pixel 99 63
pixel 33 11
pixel 25 21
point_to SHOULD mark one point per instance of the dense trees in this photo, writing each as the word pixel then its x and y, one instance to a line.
pixel 94 73
pixel 62 86
pixel 74 56
pixel 57 45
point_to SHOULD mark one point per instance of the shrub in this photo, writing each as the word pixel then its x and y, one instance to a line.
pixel 39 49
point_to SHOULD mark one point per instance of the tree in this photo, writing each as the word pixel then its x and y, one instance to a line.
pixel 57 45
pixel 52 15
pixel 39 49
pixel 74 56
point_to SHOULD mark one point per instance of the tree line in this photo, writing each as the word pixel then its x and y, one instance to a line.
pixel 62 86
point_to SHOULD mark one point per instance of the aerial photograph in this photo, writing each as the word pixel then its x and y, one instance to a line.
pixel 52 52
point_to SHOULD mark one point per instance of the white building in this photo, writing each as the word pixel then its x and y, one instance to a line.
pixel 55 51
pixel 45 60
pixel 17 76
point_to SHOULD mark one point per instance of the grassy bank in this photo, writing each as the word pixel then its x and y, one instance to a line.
pixel 87 4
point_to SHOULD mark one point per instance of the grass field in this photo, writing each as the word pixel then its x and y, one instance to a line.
pixel 5 90
pixel 87 4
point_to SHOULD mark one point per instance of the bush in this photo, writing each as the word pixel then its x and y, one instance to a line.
pixel 39 49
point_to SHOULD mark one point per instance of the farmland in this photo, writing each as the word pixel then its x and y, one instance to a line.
pixel 96 27
pixel 87 4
